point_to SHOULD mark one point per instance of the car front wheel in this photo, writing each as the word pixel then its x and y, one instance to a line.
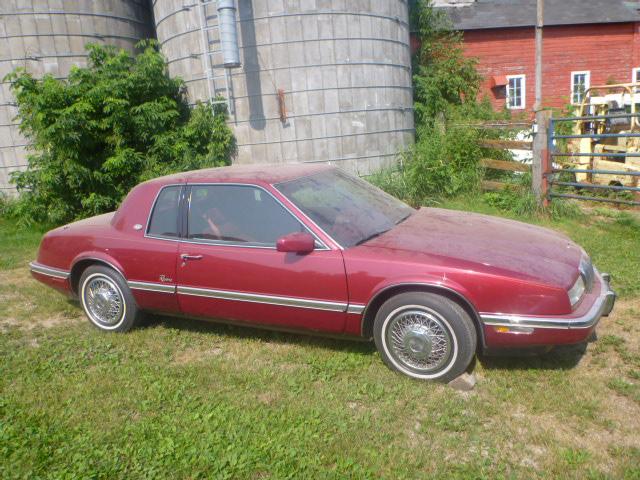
pixel 425 336
pixel 107 300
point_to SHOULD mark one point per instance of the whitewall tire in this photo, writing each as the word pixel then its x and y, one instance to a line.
pixel 106 299
pixel 425 336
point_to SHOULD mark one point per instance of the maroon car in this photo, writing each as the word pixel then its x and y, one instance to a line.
pixel 312 248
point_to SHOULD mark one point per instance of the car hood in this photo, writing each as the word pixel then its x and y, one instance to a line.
pixel 492 245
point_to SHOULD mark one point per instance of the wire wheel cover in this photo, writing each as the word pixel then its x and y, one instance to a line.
pixel 104 301
pixel 419 339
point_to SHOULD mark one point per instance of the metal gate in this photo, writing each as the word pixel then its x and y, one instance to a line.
pixel 600 156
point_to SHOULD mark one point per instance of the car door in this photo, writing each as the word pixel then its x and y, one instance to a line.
pixel 229 267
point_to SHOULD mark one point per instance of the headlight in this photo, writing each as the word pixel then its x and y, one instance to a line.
pixel 576 292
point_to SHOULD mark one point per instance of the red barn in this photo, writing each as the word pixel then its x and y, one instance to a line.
pixel 586 42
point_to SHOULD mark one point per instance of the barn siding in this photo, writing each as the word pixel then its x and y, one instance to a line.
pixel 608 51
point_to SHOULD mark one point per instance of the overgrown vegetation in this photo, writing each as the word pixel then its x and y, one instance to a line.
pixel 445 160
pixel 109 126
pixel 450 139
pixel 518 198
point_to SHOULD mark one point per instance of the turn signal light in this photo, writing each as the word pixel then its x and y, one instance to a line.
pixel 514 329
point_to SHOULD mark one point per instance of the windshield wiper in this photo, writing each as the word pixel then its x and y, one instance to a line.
pixel 377 234
pixel 373 235
pixel 403 218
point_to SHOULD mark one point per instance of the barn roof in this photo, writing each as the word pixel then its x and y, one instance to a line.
pixel 484 14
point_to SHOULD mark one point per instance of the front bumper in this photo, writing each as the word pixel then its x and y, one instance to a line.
pixel 502 330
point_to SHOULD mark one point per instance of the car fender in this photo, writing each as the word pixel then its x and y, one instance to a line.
pixel 442 284
pixel 98 257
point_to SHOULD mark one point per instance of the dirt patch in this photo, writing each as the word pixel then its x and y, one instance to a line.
pixel 9 323
pixel 28 305
pixel 293 367
pixel 559 432
pixel 268 398
pixel 618 417
pixel 625 322
pixel 607 214
pixel 193 355
pixel 16 276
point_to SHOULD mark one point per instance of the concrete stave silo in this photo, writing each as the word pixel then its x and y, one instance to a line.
pixel 321 80
pixel 49 36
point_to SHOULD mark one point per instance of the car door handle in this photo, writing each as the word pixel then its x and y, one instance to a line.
pixel 186 256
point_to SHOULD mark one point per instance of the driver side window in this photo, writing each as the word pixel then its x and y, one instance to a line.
pixel 238 214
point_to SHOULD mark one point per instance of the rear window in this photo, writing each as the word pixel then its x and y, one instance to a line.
pixel 164 217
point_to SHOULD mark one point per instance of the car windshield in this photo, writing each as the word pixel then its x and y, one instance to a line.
pixel 347 208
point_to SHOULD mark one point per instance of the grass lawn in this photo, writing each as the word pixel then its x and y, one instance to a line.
pixel 186 399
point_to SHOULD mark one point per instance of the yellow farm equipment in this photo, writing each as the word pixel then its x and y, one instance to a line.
pixel 606 135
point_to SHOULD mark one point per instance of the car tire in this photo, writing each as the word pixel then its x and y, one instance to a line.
pixel 425 336
pixel 107 300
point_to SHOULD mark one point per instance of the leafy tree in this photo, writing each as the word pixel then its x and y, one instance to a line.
pixel 443 76
pixel 109 126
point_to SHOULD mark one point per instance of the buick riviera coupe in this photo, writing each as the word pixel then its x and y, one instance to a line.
pixel 305 248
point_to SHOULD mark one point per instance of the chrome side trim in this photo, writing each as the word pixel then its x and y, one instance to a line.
pixel 601 307
pixel 213 243
pixel 268 299
pixel 152 287
pixel 355 308
pixel 49 271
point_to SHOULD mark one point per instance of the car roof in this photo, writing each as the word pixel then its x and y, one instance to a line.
pixel 260 174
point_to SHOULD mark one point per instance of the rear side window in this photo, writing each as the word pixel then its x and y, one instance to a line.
pixel 164 217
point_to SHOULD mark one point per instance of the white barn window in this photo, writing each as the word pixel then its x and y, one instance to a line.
pixel 580 82
pixel 516 91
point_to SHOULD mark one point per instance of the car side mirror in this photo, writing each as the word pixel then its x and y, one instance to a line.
pixel 299 242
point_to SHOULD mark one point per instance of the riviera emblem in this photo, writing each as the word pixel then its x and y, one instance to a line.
pixel 165 279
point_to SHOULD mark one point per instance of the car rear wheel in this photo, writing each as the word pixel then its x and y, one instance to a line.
pixel 425 336
pixel 107 300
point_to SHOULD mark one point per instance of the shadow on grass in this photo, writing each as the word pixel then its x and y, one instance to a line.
pixel 240 331
pixel 560 358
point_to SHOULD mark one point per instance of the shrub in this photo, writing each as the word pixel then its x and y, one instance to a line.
pixel 445 160
pixel 445 163
pixel 109 126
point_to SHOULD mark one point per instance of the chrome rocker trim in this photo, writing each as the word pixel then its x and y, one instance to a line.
pixel 268 299
pixel 355 308
pixel 152 287
pixel 49 271
pixel 601 308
